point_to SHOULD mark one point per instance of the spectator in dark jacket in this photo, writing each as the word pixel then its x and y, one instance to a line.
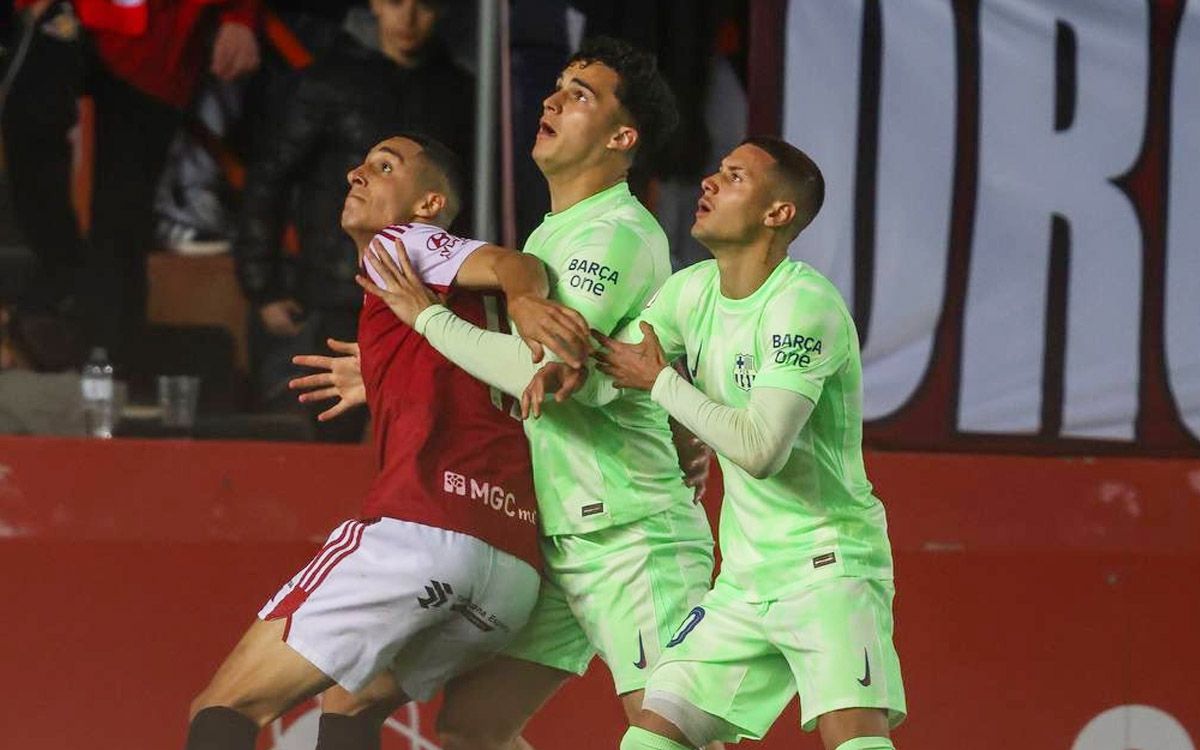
pixel 346 102
pixel 343 105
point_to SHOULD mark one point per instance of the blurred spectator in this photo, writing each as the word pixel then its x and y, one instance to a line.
pixel 192 201
pixel 340 107
pixel 139 60
pixel 34 399
pixel 194 205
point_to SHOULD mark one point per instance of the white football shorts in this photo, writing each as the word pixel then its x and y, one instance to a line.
pixel 424 602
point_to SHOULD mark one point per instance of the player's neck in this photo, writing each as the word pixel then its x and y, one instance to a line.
pixel 745 268
pixel 361 240
pixel 570 186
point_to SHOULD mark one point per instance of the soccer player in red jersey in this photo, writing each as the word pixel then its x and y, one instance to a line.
pixel 441 569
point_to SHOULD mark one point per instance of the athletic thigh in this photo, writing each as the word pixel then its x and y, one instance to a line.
pixel 490 704
pixel 262 677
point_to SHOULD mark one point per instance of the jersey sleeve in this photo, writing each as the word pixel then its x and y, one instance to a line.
pixel 435 254
pixel 607 277
pixel 805 338
pixel 663 314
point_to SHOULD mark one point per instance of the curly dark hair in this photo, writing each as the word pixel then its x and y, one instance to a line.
pixel 641 89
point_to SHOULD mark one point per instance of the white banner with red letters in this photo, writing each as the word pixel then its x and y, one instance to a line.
pixel 1012 213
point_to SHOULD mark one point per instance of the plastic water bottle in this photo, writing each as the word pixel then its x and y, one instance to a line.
pixel 98 398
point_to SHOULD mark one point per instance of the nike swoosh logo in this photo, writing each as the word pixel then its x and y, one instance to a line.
pixel 865 680
pixel 641 662
pixel 696 362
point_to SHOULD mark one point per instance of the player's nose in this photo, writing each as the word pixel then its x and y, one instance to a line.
pixel 709 185
pixel 356 176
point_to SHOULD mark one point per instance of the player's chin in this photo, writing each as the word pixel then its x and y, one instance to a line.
pixel 350 220
pixel 545 148
pixel 540 152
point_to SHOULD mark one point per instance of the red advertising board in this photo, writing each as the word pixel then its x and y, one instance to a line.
pixel 1042 602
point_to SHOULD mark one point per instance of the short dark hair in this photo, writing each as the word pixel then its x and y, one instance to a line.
pixel 801 176
pixel 641 89
pixel 447 163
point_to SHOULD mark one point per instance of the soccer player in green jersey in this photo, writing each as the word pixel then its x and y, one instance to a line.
pixel 627 551
pixel 803 602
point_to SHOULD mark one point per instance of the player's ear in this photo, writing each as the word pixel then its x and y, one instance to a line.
pixel 625 139
pixel 430 205
pixel 780 214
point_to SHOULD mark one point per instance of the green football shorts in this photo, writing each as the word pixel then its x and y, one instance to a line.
pixel 619 592
pixel 830 642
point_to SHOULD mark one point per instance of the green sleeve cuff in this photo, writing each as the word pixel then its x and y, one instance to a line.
pixel 422 321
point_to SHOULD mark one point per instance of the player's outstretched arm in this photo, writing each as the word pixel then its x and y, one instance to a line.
pixel 498 359
pixel 541 323
pixel 341 378
pixel 597 388
pixel 758 438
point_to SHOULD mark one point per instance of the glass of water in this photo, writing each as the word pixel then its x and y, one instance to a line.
pixel 177 397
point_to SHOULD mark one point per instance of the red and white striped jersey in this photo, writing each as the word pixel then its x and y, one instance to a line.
pixel 451 454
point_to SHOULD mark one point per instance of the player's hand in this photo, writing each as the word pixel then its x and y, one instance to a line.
pixel 281 317
pixel 694 457
pixel 235 51
pixel 542 322
pixel 341 379
pixel 404 292
pixel 556 378
pixel 631 365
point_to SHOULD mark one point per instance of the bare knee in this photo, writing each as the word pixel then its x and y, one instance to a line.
pixel 460 728
pixel 838 727
pixel 376 702
pixel 486 708
pixel 458 732
pixel 208 699
pixel 260 711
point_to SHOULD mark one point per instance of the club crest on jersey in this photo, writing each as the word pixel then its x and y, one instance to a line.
pixel 745 367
